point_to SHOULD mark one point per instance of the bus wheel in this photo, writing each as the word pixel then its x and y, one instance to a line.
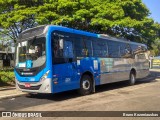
pixel 132 78
pixel 85 85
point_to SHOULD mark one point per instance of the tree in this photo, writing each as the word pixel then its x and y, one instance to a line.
pixel 121 18
pixel 156 45
pixel 5 43
pixel 16 16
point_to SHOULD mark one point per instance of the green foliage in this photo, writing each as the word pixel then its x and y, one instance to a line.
pixel 121 18
pixel 7 77
pixel 16 16
pixel 156 45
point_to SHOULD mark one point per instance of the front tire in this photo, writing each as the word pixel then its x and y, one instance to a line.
pixel 86 85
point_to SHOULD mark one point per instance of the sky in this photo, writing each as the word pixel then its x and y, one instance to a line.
pixel 154 7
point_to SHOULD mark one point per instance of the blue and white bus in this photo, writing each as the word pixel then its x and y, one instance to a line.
pixel 52 59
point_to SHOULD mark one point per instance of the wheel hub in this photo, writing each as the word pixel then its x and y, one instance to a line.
pixel 86 84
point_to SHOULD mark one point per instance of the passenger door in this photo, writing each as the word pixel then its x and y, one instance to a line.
pixel 64 66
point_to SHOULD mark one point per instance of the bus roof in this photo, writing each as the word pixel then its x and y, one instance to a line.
pixel 119 39
pixel 65 29
pixel 43 29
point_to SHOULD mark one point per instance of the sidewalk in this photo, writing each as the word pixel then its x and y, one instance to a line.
pixel 8 92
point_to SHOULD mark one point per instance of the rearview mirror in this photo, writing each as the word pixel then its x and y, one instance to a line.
pixel 61 44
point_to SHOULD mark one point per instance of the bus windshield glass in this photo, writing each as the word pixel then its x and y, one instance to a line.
pixel 32 50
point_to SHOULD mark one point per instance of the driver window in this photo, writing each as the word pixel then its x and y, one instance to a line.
pixel 62 48
pixel 57 47
pixel 68 49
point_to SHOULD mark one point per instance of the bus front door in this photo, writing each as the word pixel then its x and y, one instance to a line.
pixel 65 70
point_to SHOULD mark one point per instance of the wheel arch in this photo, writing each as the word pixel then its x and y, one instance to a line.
pixel 88 73
pixel 133 70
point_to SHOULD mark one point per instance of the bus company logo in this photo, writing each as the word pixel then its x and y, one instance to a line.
pixel 21 114
pixel 26 73
pixel 6 114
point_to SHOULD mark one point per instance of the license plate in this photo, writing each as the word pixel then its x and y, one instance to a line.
pixel 27 85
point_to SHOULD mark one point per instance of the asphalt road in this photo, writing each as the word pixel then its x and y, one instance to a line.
pixel 144 96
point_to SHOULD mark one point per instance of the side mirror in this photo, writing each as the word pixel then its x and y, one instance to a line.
pixel 61 44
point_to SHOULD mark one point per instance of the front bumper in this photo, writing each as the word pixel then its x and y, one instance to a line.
pixel 35 87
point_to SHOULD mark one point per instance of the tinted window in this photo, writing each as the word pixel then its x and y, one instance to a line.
pixel 135 48
pixel 113 49
pixel 62 47
pixel 68 49
pixel 100 48
pixel 83 46
pixel 88 46
pixel 125 50
pixel 70 46
pixel 79 46
pixel 138 48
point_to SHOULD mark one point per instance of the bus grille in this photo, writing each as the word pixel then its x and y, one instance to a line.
pixel 30 88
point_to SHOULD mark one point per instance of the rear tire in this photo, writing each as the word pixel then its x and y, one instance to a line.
pixel 132 78
pixel 86 85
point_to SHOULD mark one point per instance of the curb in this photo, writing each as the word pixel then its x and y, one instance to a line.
pixel 12 95
pixel 7 88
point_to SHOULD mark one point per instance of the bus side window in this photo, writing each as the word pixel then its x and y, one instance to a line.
pixel 100 48
pixel 56 48
pixel 113 49
pixel 62 47
pixel 138 49
pixel 82 46
pixel 78 46
pixel 56 51
pixel 125 50
pixel 68 49
pixel 87 50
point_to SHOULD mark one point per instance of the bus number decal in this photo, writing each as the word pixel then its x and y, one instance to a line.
pixel 68 80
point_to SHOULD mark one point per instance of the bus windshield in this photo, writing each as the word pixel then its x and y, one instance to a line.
pixel 32 50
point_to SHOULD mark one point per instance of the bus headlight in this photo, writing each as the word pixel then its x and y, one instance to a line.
pixel 45 76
